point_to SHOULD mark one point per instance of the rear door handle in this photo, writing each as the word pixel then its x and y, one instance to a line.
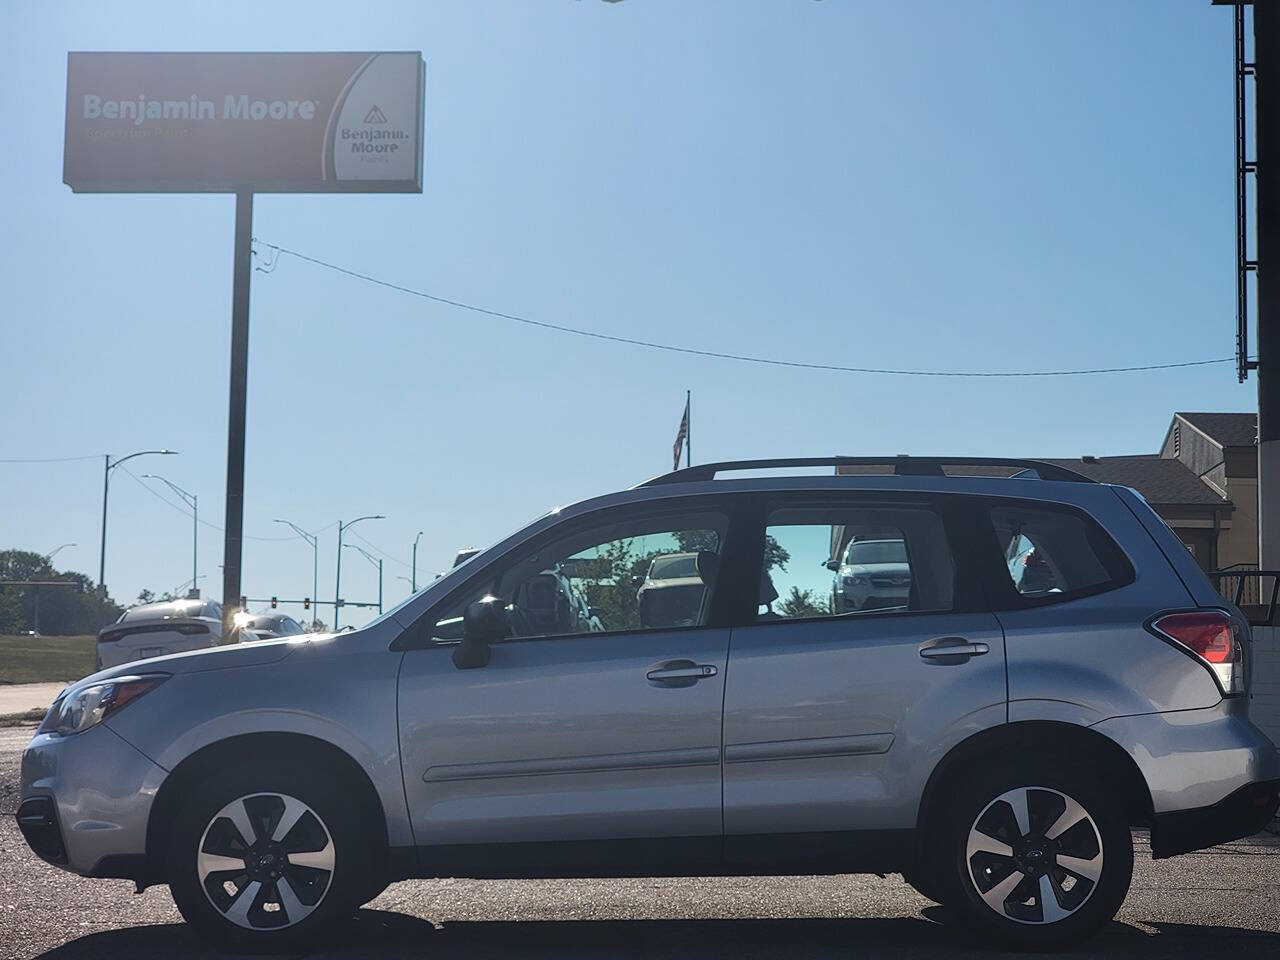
pixel 952 650
pixel 682 672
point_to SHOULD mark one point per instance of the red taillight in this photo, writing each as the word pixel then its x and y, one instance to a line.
pixel 1211 636
pixel 1208 634
pixel 191 629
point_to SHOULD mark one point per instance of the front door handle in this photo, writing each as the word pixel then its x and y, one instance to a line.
pixel 681 673
pixel 952 650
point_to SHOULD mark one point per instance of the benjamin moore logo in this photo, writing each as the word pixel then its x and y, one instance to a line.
pixel 375 115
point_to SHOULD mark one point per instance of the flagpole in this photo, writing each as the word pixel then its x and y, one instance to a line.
pixel 688 436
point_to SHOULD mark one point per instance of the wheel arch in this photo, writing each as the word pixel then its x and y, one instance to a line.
pixel 268 747
pixel 1084 747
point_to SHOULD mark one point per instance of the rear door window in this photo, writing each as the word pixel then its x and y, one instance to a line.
pixel 1053 553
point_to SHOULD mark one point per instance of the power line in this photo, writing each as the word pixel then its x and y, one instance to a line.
pixel 714 354
pixel 378 550
pixel 91 456
pixel 186 512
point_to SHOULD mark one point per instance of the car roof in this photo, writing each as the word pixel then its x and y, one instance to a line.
pixel 900 465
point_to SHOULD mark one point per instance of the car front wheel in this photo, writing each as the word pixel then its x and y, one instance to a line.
pixel 1041 858
pixel 266 862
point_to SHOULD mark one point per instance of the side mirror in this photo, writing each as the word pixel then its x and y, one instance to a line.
pixel 483 623
pixel 832 565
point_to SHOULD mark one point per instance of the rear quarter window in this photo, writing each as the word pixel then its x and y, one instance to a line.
pixel 1050 554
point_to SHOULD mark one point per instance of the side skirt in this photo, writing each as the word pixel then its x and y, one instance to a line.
pixel 878 851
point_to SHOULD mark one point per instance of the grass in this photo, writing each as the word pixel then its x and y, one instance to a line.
pixel 45 659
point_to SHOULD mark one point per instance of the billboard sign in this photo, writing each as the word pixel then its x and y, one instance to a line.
pixel 266 122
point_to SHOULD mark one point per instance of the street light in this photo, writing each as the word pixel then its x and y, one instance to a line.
pixel 337 585
pixel 48 562
pixel 414 582
pixel 48 557
pixel 377 562
pixel 314 540
pixel 107 467
pixel 190 500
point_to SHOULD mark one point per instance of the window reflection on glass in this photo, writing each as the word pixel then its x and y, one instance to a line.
pixel 1048 551
pixel 824 562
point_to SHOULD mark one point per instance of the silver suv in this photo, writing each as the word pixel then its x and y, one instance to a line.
pixel 994 736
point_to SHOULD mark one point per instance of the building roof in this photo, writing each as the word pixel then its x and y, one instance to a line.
pixel 1225 429
pixel 1160 480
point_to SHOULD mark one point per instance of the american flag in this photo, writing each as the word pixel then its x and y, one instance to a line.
pixel 681 435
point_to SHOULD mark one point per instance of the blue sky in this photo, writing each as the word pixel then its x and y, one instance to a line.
pixel 988 185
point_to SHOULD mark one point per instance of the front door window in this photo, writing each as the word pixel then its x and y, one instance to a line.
pixel 641 574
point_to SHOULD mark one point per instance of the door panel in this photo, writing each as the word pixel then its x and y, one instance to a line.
pixel 835 724
pixel 566 739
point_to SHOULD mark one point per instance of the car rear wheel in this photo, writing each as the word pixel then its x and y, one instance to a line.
pixel 266 862
pixel 1040 857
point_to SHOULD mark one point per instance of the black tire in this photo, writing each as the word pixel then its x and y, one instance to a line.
pixel 1099 843
pixel 930 884
pixel 333 900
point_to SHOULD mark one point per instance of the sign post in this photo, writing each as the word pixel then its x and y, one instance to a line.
pixel 241 270
pixel 243 123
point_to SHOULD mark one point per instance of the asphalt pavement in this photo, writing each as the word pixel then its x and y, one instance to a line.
pixel 1220 902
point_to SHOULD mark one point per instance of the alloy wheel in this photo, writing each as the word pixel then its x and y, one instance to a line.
pixel 265 861
pixel 1034 855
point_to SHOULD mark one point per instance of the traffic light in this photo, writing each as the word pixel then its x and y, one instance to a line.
pixel 306 603
pixel 244 603
pixel 273 603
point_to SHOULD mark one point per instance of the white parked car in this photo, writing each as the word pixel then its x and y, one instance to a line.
pixel 872 575
pixel 156 629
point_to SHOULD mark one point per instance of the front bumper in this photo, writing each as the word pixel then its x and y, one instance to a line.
pixel 85 800
pixel 1241 814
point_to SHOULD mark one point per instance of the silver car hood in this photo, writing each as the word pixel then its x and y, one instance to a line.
pixel 214 658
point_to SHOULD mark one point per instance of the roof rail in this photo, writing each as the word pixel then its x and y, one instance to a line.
pixel 903 466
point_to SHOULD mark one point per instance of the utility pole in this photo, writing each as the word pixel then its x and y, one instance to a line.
pixel 1266 58
pixel 233 537
pixel 414 582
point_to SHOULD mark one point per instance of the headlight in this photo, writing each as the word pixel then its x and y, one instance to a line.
pixel 85 707
pixel 857 580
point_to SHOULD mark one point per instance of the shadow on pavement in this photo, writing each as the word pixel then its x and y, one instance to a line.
pixel 380 934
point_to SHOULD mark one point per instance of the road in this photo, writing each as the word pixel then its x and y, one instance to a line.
pixel 1223 902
